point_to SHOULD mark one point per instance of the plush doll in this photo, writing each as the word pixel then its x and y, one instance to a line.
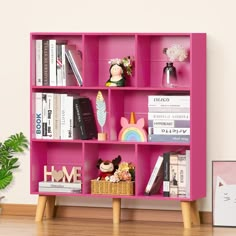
pixel 107 168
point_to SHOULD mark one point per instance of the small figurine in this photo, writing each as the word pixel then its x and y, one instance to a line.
pixel 119 70
pixel 107 168
pixel 117 78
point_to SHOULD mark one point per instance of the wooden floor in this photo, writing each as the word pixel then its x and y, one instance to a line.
pixel 26 226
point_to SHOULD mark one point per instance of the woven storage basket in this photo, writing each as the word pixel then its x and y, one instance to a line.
pixel 107 187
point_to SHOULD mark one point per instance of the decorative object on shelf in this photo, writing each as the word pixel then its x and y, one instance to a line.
pixel 125 172
pixel 120 70
pixel 107 168
pixel 13 145
pixel 62 174
pixel 121 182
pixel 174 53
pixel 131 130
pixel 101 114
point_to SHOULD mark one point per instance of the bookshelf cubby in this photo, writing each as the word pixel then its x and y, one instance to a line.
pixel 147 50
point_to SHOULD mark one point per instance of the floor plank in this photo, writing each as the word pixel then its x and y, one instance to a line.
pixel 26 226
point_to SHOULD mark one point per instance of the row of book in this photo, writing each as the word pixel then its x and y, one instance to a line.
pixel 169 118
pixel 170 175
pixel 57 63
pixel 63 116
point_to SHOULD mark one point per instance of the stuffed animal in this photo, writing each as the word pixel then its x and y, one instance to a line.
pixel 107 168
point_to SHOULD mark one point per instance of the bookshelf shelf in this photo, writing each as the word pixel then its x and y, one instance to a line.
pixel 147 50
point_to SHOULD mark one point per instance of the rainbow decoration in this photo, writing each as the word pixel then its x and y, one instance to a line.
pixel 132 131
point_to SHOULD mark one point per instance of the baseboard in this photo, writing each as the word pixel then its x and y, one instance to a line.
pixel 104 213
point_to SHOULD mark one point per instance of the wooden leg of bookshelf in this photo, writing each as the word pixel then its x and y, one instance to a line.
pixel 50 206
pixel 116 205
pixel 40 208
pixel 195 213
pixel 186 212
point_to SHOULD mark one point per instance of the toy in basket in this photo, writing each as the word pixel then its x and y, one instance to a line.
pixel 116 178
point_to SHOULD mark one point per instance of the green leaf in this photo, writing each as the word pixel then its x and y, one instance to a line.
pixel 5 178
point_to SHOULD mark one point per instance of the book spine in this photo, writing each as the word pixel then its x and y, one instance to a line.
pixel 160 123
pixel 38 115
pixel 166 178
pixel 50 114
pixel 63 62
pixel 59 65
pixel 44 115
pixel 63 116
pixel 69 117
pixel 52 62
pixel 59 190
pixel 46 62
pixel 78 120
pixel 168 116
pixel 169 101
pixel 188 176
pixel 154 174
pixel 174 175
pixel 50 184
pixel 168 138
pixel 57 116
pixel 182 175
pixel 74 67
pixel 171 131
pixel 39 62
pixel 176 109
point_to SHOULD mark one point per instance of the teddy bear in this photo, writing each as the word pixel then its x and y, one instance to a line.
pixel 107 168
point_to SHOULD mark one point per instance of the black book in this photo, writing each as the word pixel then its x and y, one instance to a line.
pixel 166 177
pixel 84 118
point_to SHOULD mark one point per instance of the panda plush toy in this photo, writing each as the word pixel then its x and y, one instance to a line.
pixel 107 168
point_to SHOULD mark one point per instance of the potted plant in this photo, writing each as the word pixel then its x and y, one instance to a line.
pixel 12 146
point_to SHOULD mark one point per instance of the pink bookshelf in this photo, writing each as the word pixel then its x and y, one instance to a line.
pixel 147 49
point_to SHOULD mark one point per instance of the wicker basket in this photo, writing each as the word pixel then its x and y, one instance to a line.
pixel 106 187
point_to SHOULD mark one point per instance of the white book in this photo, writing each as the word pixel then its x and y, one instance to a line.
pixel 63 62
pixel 44 115
pixel 173 109
pixel 60 190
pixel 50 114
pixel 169 100
pixel 75 61
pixel 182 177
pixel 188 176
pixel 63 116
pixel 50 184
pixel 57 116
pixel 38 115
pixel 39 62
pixel 59 64
pixel 156 173
pixel 52 63
pixel 168 116
pixel 171 131
pixel 69 117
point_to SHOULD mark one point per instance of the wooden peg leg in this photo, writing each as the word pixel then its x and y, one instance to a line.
pixel 40 208
pixel 195 213
pixel 116 205
pixel 186 212
pixel 50 206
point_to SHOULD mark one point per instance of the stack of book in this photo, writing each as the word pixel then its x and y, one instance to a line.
pixel 170 175
pixel 60 187
pixel 57 63
pixel 169 118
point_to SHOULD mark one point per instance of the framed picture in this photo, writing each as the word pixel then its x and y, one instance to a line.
pixel 224 193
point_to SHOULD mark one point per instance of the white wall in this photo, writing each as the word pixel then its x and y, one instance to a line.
pixel 215 17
